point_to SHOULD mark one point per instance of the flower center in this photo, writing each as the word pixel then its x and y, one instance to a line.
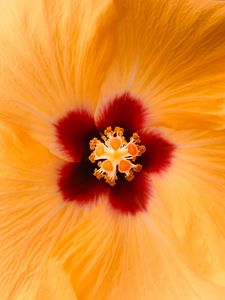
pixel 115 155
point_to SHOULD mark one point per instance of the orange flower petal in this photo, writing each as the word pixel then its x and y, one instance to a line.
pixel 174 64
pixel 193 194
pixel 55 56
pixel 33 217
pixel 112 258
pixel 59 54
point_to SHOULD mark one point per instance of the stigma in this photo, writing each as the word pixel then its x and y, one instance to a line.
pixel 115 155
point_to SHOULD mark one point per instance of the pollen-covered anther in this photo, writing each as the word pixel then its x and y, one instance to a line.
pixel 115 155
pixel 93 143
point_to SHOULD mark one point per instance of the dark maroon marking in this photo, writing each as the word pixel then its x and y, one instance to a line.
pixel 159 152
pixel 77 183
pixel 74 132
pixel 131 197
pixel 76 180
pixel 124 111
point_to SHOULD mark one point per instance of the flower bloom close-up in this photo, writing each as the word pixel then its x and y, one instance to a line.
pixel 112 133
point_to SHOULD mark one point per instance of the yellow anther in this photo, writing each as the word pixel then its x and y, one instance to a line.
pixel 137 168
pixel 93 143
pixel 115 154
pixel 108 131
pixel 141 150
pixel 110 181
pixel 92 157
pixel 136 138
pixel 130 176
pixel 119 131
pixel 98 174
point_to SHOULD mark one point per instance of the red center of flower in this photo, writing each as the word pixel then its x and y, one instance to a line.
pixel 125 157
pixel 115 154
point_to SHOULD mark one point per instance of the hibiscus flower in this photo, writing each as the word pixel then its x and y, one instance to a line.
pixel 112 149
pixel 127 192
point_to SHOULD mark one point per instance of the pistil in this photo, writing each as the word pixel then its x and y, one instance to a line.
pixel 114 154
